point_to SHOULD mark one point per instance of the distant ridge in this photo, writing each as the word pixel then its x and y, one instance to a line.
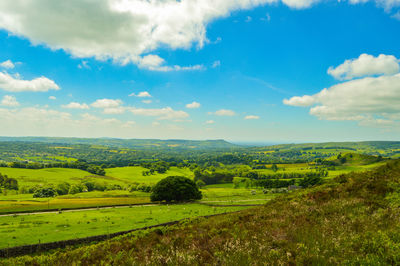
pixel 131 143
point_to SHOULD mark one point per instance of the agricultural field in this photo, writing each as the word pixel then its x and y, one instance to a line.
pixel 16 230
pixel 130 174
pixel 33 177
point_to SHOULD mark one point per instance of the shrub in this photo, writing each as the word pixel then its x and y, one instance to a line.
pixel 45 193
pixel 175 188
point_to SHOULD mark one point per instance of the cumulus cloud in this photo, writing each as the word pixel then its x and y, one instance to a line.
pixel 122 30
pixel 142 94
pixel 114 110
pixel 367 99
pixel 42 84
pixel 223 112
pixel 210 122
pixel 166 113
pixel 193 105
pixel 9 101
pixel 75 105
pixel 7 64
pixel 52 98
pixel 35 121
pixel 147 101
pixel 365 65
pixel 106 103
pixel 251 117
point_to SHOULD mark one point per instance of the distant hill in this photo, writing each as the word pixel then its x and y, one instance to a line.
pixel 132 143
pixel 341 145
pixel 384 148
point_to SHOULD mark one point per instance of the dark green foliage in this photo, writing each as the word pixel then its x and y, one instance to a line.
pixel 97 170
pixel 274 183
pixel 310 181
pixel 159 166
pixel 63 188
pixel 45 193
pixel 175 188
pixel 8 183
pixel 217 177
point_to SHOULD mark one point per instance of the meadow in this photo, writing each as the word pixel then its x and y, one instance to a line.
pixel 350 220
pixel 16 230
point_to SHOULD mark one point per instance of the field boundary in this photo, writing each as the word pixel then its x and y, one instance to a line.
pixel 35 248
pixel 79 208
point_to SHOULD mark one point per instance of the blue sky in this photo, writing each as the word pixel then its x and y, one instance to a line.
pixel 237 70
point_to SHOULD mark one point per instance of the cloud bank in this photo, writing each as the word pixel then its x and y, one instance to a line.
pixel 370 100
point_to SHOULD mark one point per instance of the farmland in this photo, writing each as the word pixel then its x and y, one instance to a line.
pixel 118 198
pixel 49 227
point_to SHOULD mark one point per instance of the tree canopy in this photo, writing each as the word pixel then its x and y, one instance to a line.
pixel 175 188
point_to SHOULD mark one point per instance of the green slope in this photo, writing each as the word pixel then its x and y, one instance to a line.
pixel 354 220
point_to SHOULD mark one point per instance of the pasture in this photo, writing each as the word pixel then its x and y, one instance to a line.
pixel 48 227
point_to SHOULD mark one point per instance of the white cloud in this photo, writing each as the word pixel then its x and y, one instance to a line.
pixel 121 30
pixel 248 19
pixel 9 101
pixel 114 110
pixel 304 101
pixel 75 105
pixel 366 65
pixel 142 94
pixel 266 18
pixel 250 117
pixel 84 64
pixel 216 64
pixel 223 112
pixel 193 105
pixel 106 103
pixel 42 84
pixel 210 122
pixel 155 124
pixel 367 99
pixel 147 101
pixel 7 64
pixel 52 98
pixel 166 113
pixel 34 121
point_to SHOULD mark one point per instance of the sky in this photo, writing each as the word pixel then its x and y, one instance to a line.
pixel 240 70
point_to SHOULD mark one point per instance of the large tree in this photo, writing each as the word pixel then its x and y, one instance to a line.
pixel 175 188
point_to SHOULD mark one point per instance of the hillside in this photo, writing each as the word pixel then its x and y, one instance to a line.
pixel 353 219
pixel 131 143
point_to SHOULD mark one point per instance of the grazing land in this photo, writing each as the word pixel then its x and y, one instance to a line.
pixel 50 227
pixel 352 219
pixel 62 191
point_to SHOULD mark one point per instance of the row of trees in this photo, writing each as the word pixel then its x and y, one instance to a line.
pixel 93 169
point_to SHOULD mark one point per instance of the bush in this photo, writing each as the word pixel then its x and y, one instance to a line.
pixel 175 188
pixel 45 193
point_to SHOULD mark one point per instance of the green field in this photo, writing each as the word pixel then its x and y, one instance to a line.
pixel 120 175
pixel 132 174
pixel 49 227
pixel 33 177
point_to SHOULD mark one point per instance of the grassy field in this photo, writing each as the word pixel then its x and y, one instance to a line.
pixel 132 174
pixel 49 227
pixel 351 220
pixel 33 177
pixel 120 175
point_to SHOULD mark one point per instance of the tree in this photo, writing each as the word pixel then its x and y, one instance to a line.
pixel 274 167
pixel 45 193
pixel 200 183
pixel 175 188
